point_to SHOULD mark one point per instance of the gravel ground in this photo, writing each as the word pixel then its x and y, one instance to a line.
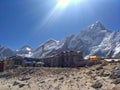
pixel 97 77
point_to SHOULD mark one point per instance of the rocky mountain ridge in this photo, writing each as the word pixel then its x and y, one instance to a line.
pixel 92 40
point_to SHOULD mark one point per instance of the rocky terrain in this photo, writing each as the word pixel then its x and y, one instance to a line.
pixel 97 77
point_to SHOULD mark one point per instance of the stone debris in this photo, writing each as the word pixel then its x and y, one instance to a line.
pixel 103 73
pixel 116 81
pixel 115 74
pixel 24 78
pixel 45 78
pixel 21 85
pixel 15 83
pixel 62 78
pixel 42 82
pixel 97 84
pixel 99 68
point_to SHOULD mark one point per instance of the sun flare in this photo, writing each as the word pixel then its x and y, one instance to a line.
pixel 64 3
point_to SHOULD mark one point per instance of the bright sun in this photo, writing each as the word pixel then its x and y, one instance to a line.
pixel 64 3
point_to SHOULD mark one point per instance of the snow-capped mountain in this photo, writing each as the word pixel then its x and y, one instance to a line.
pixel 92 40
pixel 5 52
pixel 45 49
pixel 25 51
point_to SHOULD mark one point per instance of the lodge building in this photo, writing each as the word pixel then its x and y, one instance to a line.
pixel 63 59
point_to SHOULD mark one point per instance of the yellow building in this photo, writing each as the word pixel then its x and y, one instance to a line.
pixel 94 58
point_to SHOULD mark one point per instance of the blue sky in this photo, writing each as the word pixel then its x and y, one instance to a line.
pixel 32 22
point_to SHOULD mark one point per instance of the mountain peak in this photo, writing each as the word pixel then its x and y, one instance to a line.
pixel 51 41
pixel 98 22
pixel 25 51
pixel 26 46
pixel 97 26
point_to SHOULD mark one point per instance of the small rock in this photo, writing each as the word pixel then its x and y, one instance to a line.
pixel 117 81
pixel 42 82
pixel 15 83
pixel 116 68
pixel 97 84
pixel 55 80
pixel 72 74
pixel 21 85
pixel 100 73
pixel 66 75
pixel 99 68
pixel 93 70
pixel 25 78
pixel 103 74
pixel 93 77
pixel 61 78
pixel 115 74
pixel 89 73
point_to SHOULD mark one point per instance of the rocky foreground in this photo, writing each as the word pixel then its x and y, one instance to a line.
pixel 97 77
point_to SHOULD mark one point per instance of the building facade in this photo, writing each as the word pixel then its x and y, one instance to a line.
pixel 63 59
